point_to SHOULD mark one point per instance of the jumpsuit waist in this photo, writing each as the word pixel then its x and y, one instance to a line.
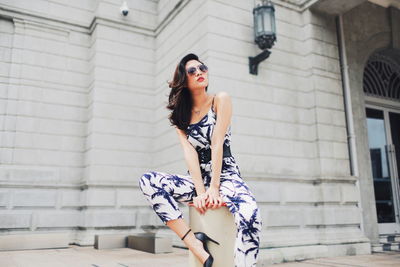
pixel 205 154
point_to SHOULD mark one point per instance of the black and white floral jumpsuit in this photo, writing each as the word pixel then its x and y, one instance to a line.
pixel 163 190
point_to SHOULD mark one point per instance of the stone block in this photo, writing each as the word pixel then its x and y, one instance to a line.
pixel 112 126
pixel 165 39
pixel 122 50
pixel 247 126
pixel 106 93
pixel 150 242
pixel 4 197
pixel 231 15
pixel 147 216
pixel 34 198
pixel 218 224
pixel 131 198
pixel 331 215
pixel 34 241
pixel 319 33
pixel 99 197
pixel 71 198
pixel 329 100
pixel 262 193
pixel 287 254
pixel 57 218
pixel 6 27
pixel 101 156
pixel 75 79
pixel 108 241
pixel 15 219
pixel 335 167
pixel 349 249
pixel 330 193
pixel 120 142
pixel 301 193
pixel 79 38
pixel 328 85
pixel 349 193
pixel 76 51
pixel 106 218
pixel 283 216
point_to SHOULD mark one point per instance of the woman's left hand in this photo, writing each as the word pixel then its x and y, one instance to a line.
pixel 213 198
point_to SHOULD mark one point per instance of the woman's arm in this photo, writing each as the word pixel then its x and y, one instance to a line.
pixel 192 161
pixel 224 105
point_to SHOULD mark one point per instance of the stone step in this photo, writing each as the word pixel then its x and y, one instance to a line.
pixel 389 238
pixel 391 246
pixel 110 241
pixel 34 241
pixel 376 247
pixel 386 247
pixel 150 243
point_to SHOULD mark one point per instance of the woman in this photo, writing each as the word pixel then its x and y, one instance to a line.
pixel 208 183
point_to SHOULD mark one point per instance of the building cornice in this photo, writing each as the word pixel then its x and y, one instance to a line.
pixel 38 20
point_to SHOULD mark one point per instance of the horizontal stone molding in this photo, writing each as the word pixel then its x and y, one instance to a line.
pixel 248 176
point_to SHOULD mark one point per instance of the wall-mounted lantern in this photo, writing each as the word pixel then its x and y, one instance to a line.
pixel 264 32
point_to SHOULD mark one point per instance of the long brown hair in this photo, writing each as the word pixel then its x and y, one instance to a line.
pixel 180 97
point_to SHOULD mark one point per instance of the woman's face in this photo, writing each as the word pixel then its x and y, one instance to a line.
pixel 198 79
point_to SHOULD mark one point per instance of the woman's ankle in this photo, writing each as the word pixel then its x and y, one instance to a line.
pixel 194 243
pixel 199 252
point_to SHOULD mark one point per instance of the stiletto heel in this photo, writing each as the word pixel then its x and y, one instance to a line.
pixel 209 262
pixel 204 238
pixel 209 238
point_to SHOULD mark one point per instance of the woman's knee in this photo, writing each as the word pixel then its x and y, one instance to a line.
pixel 146 178
pixel 250 210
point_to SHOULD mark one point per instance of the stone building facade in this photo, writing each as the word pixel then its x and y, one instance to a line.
pixel 83 92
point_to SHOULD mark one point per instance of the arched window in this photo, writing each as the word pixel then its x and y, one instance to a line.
pixel 382 77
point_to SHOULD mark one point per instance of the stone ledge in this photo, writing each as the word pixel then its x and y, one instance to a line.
pixel 149 242
pixel 34 241
pixel 299 253
pixel 108 241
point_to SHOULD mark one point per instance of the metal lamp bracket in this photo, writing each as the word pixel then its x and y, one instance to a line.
pixel 254 61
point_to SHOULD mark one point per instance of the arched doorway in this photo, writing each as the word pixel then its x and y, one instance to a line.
pixel 381 84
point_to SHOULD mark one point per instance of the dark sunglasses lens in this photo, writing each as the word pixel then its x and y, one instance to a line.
pixel 191 70
pixel 203 68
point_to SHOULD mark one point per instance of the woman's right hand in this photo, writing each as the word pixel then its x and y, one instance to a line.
pixel 199 202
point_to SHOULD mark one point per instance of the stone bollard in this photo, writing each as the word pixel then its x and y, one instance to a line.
pixel 218 224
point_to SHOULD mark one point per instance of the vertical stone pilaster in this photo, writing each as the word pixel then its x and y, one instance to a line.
pixel 394 18
pixel 330 124
pixel 8 90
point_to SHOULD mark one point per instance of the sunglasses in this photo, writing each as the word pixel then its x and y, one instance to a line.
pixel 192 70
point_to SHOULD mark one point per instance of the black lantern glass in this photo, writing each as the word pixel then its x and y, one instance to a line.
pixel 264 32
pixel 264 25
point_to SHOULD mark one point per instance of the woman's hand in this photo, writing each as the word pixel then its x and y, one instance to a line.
pixel 199 202
pixel 213 198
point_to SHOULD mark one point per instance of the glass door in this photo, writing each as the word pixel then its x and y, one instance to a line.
pixel 384 146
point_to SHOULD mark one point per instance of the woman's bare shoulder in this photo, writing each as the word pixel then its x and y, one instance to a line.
pixel 220 97
pixel 221 94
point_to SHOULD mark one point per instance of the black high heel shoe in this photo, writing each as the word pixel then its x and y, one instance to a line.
pixel 204 238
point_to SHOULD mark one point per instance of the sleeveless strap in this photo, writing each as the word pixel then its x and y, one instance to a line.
pixel 212 104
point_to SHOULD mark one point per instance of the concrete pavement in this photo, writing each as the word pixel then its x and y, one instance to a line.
pixel 381 259
pixel 76 256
